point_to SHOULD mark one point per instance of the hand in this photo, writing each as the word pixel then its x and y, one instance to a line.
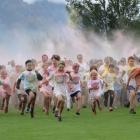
pixel 40 85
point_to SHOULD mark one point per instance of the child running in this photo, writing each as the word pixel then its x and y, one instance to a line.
pixel 109 79
pixel 20 93
pixel 133 87
pixel 51 69
pixel 30 79
pixel 95 86
pixel 75 87
pixel 5 89
pixel 46 88
pixel 60 78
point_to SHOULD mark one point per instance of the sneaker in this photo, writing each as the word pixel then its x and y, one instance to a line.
pixel 68 109
pixel 32 113
pixel 22 113
pixel 132 111
pixel 77 113
pixel 110 109
pixel 28 110
pixel 59 118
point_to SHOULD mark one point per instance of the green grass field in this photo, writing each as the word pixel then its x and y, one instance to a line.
pixel 117 125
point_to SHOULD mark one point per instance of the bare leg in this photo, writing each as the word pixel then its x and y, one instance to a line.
pixel 7 98
pixel 78 101
pixel 24 102
pixel 132 101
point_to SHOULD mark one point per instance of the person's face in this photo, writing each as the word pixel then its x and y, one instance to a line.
pixel 111 69
pixel 45 67
pixel 29 66
pixel 138 80
pixel 12 63
pixel 61 67
pixel 131 62
pixel 123 62
pixel 76 69
pixel 93 75
pixel 18 68
pixel 54 61
pixel 44 58
pixel 80 58
pixel 3 74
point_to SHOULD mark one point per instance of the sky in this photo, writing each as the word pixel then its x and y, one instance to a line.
pixel 56 1
pixel 32 1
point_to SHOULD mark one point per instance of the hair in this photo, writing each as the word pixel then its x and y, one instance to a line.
pixel 79 55
pixel 93 67
pixel 93 71
pixel 61 63
pixel 28 61
pixel 56 57
pixel 130 57
pixel 44 55
pixel 75 65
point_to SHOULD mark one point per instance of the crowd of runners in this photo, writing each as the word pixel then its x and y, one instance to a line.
pixel 56 83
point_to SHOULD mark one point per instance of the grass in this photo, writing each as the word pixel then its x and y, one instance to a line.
pixel 117 125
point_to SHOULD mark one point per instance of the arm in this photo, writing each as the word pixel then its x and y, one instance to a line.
pixel 18 83
pixel 14 87
pixel 39 77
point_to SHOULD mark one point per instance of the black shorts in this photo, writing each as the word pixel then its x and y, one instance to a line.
pixel 129 88
pixel 75 93
pixel 28 91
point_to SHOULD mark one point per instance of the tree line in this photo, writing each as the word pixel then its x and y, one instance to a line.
pixel 105 16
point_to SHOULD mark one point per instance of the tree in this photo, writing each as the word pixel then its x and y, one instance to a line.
pixel 104 15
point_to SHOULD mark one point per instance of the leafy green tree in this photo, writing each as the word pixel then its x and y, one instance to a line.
pixel 104 15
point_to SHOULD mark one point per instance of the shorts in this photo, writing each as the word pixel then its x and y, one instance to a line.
pixel 118 92
pixel 129 88
pixel 75 93
pixel 28 91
